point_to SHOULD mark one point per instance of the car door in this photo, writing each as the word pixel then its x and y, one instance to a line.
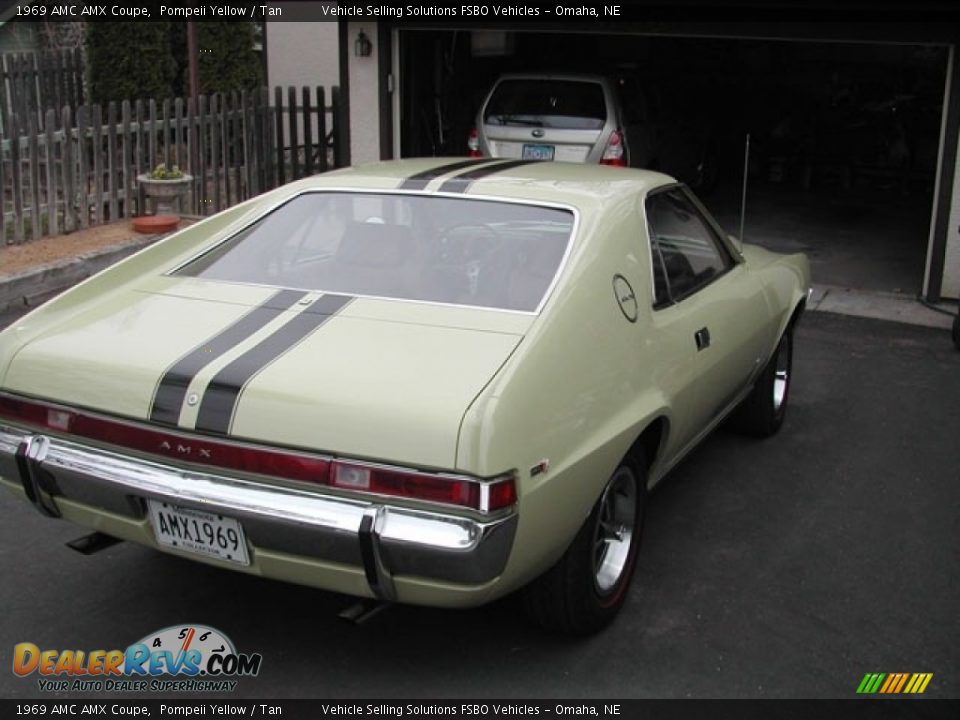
pixel 704 296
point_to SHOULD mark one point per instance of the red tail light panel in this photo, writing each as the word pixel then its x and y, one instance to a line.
pixel 355 476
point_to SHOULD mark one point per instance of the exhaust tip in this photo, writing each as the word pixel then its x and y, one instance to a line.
pixel 92 543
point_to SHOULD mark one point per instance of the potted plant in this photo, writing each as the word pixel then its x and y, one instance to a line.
pixel 164 185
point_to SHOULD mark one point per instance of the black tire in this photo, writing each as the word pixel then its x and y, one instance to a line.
pixel 585 590
pixel 763 410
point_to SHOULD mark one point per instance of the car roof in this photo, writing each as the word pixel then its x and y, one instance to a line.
pixel 577 184
pixel 580 77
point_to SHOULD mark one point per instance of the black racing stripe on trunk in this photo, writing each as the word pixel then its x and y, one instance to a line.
pixel 172 388
pixel 421 179
pixel 223 392
pixel 460 183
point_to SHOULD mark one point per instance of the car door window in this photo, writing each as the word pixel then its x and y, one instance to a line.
pixel 686 253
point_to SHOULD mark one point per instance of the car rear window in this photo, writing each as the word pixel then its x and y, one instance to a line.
pixel 409 247
pixel 560 104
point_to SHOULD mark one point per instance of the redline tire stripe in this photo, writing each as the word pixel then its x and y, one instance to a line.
pixel 460 183
pixel 172 388
pixel 421 179
pixel 223 392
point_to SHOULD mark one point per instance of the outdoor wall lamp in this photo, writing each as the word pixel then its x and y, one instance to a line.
pixel 362 47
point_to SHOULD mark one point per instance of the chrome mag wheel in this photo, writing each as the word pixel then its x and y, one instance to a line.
pixel 781 378
pixel 613 534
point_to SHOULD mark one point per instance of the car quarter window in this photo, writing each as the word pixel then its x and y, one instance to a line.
pixel 685 251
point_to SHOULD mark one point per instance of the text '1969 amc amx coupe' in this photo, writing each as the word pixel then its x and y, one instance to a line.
pixel 429 381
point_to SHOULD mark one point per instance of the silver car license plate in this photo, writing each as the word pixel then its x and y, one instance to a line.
pixel 198 532
pixel 538 152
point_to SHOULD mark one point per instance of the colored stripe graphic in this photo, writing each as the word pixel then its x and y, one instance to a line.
pixel 898 686
pixel 223 392
pixel 894 683
pixel 891 679
pixel 918 683
pixel 870 683
pixel 461 183
pixel 172 388
pixel 420 180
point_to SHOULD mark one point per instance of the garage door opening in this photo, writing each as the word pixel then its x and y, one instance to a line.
pixel 844 136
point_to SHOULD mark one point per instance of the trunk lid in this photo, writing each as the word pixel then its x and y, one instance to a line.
pixel 376 379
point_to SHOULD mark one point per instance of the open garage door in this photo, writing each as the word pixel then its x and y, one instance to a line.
pixel 844 136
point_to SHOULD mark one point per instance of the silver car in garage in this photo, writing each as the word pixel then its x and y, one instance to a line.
pixel 569 117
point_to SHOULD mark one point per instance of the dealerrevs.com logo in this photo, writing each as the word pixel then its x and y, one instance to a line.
pixel 180 658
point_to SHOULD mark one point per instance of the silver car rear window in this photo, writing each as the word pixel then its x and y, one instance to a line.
pixel 409 247
pixel 559 104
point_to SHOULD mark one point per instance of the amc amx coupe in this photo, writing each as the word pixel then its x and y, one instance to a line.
pixel 425 381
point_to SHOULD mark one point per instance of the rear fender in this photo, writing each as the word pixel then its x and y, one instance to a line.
pixel 555 504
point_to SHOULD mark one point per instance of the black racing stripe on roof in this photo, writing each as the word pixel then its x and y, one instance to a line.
pixel 461 183
pixel 172 388
pixel 420 180
pixel 223 393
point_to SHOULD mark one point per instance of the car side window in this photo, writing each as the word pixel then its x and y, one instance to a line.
pixel 685 250
pixel 661 294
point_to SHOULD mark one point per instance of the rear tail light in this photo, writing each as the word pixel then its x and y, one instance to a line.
pixel 446 489
pixel 486 496
pixel 473 143
pixel 401 483
pixel 613 153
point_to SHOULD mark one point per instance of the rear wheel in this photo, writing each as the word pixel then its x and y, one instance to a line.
pixel 763 410
pixel 585 590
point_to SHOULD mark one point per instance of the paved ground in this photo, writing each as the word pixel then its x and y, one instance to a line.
pixel 857 239
pixel 783 568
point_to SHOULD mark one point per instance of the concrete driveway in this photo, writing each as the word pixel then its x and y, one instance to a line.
pixel 781 568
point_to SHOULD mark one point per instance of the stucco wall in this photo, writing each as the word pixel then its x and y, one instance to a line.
pixel 302 53
pixel 364 98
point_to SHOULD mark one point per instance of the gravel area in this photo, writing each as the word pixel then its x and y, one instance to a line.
pixel 18 258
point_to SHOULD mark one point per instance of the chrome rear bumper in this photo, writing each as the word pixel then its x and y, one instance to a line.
pixel 385 540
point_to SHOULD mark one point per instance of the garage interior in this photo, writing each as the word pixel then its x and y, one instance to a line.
pixel 844 136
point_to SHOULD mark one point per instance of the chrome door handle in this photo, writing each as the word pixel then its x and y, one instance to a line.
pixel 702 336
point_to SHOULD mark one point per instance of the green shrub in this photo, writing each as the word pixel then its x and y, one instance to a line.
pixel 227 60
pixel 162 172
pixel 130 60
pixel 127 61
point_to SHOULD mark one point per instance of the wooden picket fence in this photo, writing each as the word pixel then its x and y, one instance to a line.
pixel 31 82
pixel 80 168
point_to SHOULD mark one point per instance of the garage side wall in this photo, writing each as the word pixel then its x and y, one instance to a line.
pixel 316 60
pixel 951 265
pixel 364 96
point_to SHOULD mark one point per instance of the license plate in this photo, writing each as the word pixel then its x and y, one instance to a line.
pixel 198 532
pixel 538 152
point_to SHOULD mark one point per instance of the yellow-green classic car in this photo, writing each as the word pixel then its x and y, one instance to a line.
pixel 430 381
